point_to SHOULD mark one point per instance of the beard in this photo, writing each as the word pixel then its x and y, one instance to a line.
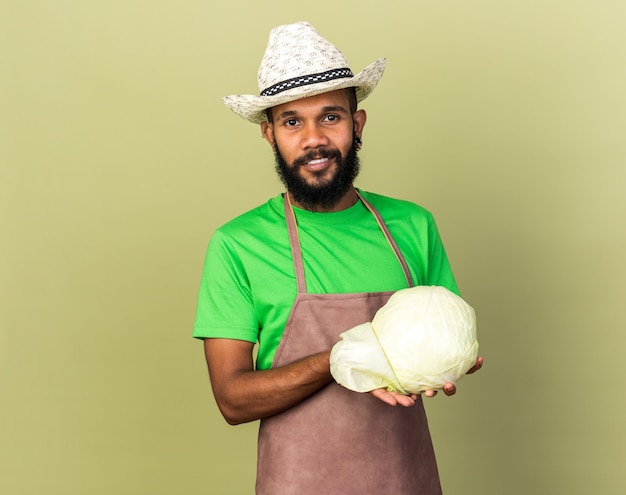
pixel 322 194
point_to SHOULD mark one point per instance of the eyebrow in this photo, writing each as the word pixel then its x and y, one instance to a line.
pixel 334 108
pixel 326 109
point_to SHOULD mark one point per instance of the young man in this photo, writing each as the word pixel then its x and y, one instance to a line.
pixel 299 270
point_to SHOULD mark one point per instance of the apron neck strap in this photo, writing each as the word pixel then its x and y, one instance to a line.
pixel 294 240
pixel 389 237
pixel 296 251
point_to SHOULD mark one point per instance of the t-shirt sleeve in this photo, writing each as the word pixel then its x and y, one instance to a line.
pixel 225 308
pixel 439 271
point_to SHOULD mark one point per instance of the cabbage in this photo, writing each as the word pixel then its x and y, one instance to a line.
pixel 424 337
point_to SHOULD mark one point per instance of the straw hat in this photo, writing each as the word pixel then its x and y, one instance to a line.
pixel 298 62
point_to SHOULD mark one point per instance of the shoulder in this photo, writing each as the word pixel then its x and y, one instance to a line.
pixel 266 216
pixel 259 230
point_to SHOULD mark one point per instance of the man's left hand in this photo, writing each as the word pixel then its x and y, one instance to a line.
pixel 450 388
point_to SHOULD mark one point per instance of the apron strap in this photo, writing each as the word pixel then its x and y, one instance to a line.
pixel 296 251
pixel 294 240
pixel 389 237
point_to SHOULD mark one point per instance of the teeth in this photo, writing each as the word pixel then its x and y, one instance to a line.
pixel 319 160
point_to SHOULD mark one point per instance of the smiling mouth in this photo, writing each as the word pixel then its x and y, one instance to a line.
pixel 318 160
pixel 318 164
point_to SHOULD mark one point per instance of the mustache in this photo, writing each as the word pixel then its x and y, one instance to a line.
pixel 316 155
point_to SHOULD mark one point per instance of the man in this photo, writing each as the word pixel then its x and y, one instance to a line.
pixel 297 271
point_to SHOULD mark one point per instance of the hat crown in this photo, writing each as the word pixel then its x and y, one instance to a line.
pixel 299 63
pixel 295 51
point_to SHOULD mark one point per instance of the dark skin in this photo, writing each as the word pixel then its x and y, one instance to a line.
pixel 242 393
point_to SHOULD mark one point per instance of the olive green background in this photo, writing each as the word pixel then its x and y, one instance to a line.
pixel 117 161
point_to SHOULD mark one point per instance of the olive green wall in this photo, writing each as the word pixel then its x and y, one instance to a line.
pixel 118 159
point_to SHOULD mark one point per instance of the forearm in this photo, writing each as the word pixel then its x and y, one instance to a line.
pixel 243 394
pixel 259 394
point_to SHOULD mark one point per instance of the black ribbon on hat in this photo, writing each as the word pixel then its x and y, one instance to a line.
pixel 306 80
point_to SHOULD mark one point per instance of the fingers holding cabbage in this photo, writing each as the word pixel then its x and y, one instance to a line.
pixel 423 338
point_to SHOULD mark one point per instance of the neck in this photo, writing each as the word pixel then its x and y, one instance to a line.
pixel 346 201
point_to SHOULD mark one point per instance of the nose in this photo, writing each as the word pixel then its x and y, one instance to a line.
pixel 313 136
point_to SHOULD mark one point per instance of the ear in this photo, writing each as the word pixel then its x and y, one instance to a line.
pixel 359 118
pixel 267 132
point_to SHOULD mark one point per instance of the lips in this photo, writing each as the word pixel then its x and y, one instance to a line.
pixel 317 164
pixel 317 160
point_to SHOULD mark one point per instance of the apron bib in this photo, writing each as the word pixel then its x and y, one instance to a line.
pixel 339 442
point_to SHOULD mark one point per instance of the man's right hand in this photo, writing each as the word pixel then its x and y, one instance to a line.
pixel 244 394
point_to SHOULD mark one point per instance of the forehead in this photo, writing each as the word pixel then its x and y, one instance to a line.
pixel 318 103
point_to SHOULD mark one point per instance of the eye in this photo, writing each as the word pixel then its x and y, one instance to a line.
pixel 291 122
pixel 331 118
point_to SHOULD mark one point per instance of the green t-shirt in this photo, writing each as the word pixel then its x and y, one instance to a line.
pixel 248 284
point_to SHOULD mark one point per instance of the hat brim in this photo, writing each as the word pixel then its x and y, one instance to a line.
pixel 252 107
